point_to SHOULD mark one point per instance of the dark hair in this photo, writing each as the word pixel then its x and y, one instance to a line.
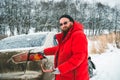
pixel 67 16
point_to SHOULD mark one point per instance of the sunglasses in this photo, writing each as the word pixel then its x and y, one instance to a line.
pixel 66 22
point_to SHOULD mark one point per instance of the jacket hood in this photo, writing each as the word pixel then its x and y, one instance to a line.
pixel 77 26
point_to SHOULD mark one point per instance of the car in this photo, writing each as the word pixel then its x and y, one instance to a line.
pixel 27 42
pixel 23 43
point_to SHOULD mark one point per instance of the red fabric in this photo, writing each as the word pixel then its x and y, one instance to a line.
pixel 50 50
pixel 71 54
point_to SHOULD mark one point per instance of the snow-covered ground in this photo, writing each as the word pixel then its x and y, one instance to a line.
pixel 107 64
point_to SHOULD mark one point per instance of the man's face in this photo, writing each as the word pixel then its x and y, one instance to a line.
pixel 65 24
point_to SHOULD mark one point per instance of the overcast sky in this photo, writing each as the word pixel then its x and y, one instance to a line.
pixel 112 3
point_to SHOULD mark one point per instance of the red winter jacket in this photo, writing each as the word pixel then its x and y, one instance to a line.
pixel 71 54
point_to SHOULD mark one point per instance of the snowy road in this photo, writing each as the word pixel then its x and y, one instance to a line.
pixel 107 65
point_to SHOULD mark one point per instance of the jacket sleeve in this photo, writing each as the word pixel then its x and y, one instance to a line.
pixel 79 50
pixel 50 50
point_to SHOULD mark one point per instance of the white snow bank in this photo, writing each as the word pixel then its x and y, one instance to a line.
pixel 107 65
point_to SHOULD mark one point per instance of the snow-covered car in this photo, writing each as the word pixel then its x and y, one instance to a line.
pixel 27 42
pixel 22 43
pixel 17 44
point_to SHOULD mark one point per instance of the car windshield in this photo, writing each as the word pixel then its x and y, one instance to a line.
pixel 23 41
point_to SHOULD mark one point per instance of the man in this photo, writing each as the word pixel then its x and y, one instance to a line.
pixel 71 53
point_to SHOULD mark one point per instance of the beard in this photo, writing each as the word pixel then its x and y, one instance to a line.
pixel 66 29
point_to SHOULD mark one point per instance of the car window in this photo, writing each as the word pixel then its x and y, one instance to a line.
pixel 22 41
pixel 55 40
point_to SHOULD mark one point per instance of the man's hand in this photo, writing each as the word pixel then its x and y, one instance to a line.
pixel 53 70
pixel 46 70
